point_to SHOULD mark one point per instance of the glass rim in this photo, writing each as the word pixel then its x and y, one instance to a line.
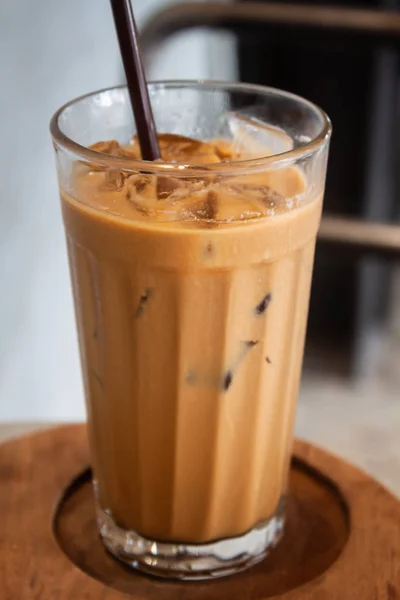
pixel 135 165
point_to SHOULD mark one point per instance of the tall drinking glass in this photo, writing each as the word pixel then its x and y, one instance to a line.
pixel 191 281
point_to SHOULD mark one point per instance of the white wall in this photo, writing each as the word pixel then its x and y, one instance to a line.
pixel 50 52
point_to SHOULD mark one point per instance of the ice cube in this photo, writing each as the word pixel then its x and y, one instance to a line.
pixel 157 194
pixel 113 180
pixel 141 192
pixel 180 149
pixel 239 201
pixel 258 193
pixel 109 147
pixel 167 185
pixel 201 209
pixel 253 138
pixel 113 148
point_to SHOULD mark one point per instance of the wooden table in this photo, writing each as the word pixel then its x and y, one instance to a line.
pixel 12 430
pixel 342 540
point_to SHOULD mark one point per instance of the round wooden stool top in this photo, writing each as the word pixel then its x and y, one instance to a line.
pixel 342 539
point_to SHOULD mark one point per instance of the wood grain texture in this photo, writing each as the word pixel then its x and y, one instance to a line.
pixel 34 471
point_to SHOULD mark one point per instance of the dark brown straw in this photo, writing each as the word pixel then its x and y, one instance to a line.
pixel 128 38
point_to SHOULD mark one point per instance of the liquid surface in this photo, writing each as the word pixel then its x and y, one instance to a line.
pixel 191 300
pixel 207 196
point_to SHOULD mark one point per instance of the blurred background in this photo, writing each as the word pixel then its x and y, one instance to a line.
pixel 54 51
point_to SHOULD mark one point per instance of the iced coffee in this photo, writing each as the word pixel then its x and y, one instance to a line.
pixel 191 290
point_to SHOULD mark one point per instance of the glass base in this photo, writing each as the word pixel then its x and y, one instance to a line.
pixel 191 562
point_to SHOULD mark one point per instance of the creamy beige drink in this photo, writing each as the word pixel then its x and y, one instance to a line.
pixel 191 277
pixel 192 302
